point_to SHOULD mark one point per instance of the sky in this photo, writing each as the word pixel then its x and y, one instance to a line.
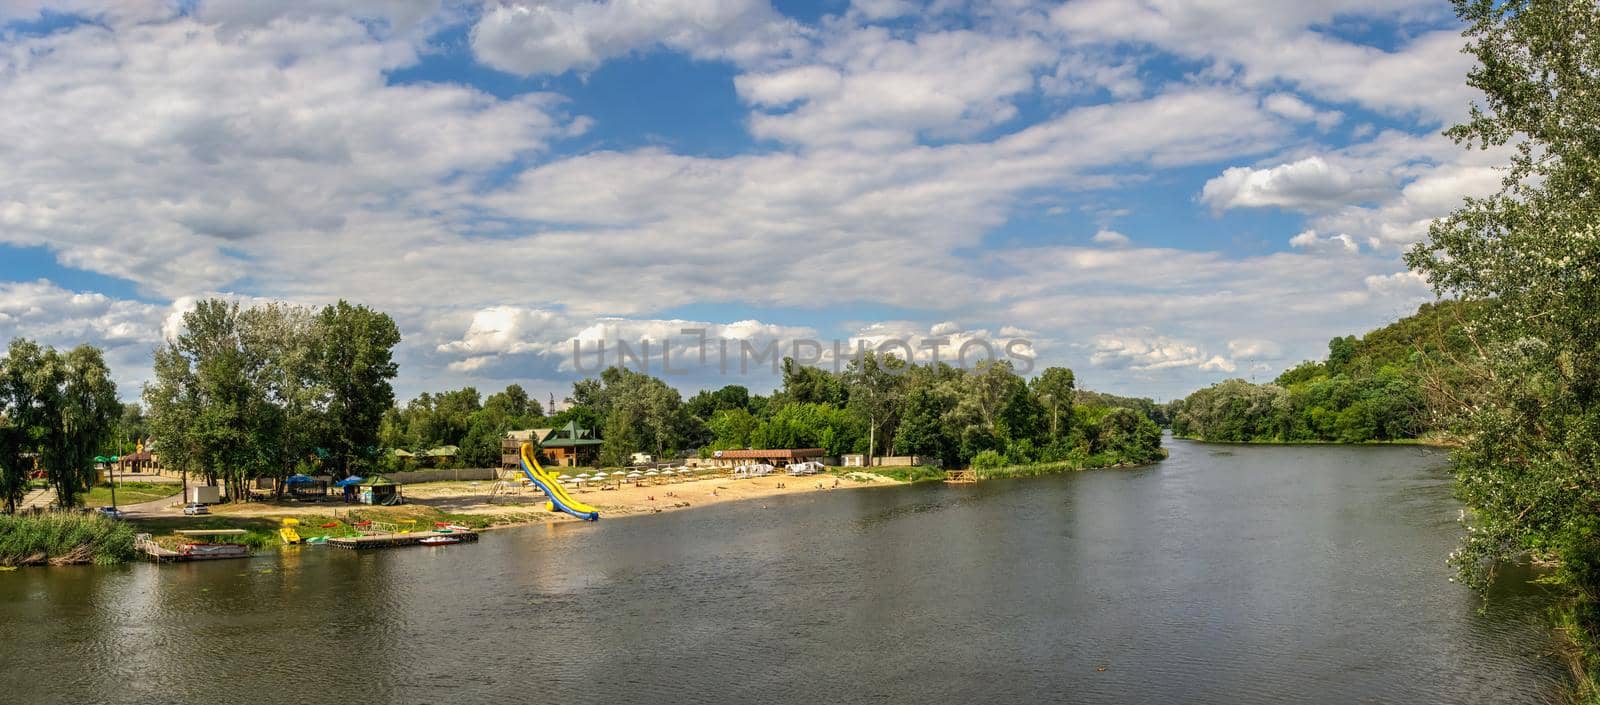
pixel 1158 194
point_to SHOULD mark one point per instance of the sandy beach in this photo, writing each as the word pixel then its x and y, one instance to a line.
pixel 526 505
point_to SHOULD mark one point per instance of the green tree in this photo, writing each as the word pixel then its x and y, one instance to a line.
pixel 1055 389
pixel 88 410
pixel 354 359
pixel 874 384
pixel 1529 257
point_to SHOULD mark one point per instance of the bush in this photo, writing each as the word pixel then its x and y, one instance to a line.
pixel 988 460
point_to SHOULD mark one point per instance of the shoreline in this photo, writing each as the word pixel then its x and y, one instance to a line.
pixel 1425 442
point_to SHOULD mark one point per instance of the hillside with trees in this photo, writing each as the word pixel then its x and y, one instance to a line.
pixel 1371 388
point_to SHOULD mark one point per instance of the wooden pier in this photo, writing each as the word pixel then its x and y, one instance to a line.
pixel 392 540
pixel 960 477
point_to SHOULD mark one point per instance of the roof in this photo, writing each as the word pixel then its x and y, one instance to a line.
pixel 569 436
pixel 780 453
pixel 530 434
pixel 442 452
pixel 378 480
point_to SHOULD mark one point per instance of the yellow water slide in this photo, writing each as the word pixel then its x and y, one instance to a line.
pixel 559 499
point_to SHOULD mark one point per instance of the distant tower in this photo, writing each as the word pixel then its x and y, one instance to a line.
pixel 552 408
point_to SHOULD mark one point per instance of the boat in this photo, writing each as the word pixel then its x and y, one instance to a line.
pixel 439 540
pixel 198 549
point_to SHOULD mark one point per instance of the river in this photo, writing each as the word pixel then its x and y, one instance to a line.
pixel 1224 575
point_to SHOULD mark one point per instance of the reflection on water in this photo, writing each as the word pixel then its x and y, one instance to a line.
pixel 1250 575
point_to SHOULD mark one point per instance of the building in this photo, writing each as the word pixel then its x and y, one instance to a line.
pixel 567 446
pixel 775 457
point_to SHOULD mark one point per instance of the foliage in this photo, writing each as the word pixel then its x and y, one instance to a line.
pixel 61 538
pixel 1368 389
pixel 260 392
pixel 1528 407
pixel 58 408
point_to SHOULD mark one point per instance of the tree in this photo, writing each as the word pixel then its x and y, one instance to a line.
pixel 873 381
pixel 88 410
pixel 354 358
pixel 1055 389
pixel 20 418
pixel 1529 258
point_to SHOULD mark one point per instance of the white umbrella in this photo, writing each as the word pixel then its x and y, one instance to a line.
pixel 564 476
pixel 583 476
pixel 635 473
pixel 600 475
pixel 652 473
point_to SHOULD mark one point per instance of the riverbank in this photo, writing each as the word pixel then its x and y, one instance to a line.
pixel 1431 442
pixel 61 538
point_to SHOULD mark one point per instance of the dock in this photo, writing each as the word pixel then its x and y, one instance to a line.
pixel 391 540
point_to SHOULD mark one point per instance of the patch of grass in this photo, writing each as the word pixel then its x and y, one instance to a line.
pixel 131 493
pixel 60 538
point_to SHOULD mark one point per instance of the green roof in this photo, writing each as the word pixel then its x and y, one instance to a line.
pixel 379 480
pixel 443 452
pixel 569 436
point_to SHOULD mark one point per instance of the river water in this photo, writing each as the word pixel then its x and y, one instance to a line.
pixel 1223 575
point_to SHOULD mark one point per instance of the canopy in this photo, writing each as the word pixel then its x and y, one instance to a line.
pixel 298 479
pixel 377 480
pixel 351 480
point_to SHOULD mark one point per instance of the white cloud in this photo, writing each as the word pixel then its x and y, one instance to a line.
pixel 1292 107
pixel 1309 184
pixel 867 88
pixel 1255 349
pixel 1310 241
pixel 1112 238
pixel 1144 350
pixel 553 37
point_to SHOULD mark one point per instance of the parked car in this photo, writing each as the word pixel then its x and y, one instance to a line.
pixel 111 512
pixel 193 509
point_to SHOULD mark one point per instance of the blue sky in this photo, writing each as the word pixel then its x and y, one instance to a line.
pixel 1159 195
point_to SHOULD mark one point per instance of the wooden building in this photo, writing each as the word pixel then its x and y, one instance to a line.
pixel 778 457
pixel 568 446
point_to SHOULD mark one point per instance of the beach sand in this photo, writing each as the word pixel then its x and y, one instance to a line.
pixel 526 505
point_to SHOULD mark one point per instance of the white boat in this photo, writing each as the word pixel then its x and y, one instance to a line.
pixel 439 540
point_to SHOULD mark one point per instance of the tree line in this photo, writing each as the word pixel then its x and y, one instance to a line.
pixel 878 405
pixel 56 412
pixel 1368 389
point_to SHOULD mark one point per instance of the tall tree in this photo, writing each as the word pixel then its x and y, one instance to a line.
pixel 21 419
pixel 1055 390
pixel 354 358
pixel 874 384
pixel 88 410
pixel 1530 256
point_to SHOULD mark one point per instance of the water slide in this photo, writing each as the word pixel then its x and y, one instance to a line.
pixel 559 499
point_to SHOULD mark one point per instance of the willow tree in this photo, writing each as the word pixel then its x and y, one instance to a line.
pixel 1530 421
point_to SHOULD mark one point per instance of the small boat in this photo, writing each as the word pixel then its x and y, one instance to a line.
pixel 204 551
pixel 439 540
pixel 317 540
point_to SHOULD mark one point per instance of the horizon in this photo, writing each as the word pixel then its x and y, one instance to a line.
pixel 1148 198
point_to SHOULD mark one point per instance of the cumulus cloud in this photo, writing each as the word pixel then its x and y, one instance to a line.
pixel 1144 350
pixel 1294 108
pixel 1309 184
pixel 1310 241
pixel 553 37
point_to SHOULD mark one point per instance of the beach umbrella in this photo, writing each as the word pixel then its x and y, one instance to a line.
pixel 635 473
pixel 668 471
pixel 652 473
pixel 564 476
pixel 583 476
pixel 600 475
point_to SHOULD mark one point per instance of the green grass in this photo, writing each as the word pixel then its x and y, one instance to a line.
pixel 60 538
pixel 131 493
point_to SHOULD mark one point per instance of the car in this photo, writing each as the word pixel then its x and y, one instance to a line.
pixel 111 512
pixel 194 509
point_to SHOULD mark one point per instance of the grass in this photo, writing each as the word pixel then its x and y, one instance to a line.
pixel 60 538
pixel 262 532
pixel 131 493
